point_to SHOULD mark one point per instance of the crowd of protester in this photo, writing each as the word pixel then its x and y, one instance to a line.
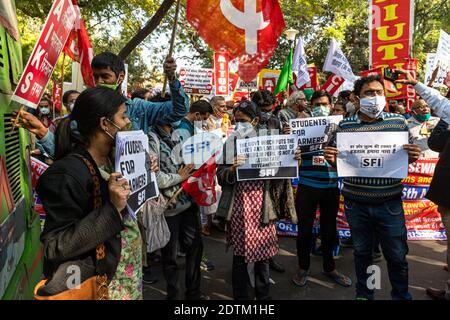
pixel 81 137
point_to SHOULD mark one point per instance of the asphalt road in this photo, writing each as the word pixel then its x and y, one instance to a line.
pixel 426 261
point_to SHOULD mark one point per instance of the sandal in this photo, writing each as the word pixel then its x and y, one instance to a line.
pixel 339 278
pixel 301 278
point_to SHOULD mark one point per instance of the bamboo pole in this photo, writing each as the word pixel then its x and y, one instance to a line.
pixel 172 42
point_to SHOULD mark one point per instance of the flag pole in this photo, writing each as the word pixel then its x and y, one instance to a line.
pixel 172 42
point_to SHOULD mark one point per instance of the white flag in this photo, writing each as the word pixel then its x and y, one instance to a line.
pixel 299 65
pixel 337 63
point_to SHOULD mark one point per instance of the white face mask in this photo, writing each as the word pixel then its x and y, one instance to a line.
pixel 71 105
pixel 372 106
pixel 45 111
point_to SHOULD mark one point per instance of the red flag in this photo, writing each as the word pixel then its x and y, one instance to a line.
pixel 79 48
pixel 247 30
pixel 202 184
pixel 56 96
pixel 333 83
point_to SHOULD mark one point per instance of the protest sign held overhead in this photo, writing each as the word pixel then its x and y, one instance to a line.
pixel 312 133
pixel 431 65
pixel 133 161
pixel 268 157
pixel 443 51
pixel 247 30
pixel 372 154
pixel 196 80
pixel 42 61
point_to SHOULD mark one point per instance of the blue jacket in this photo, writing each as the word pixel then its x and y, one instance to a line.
pixel 142 114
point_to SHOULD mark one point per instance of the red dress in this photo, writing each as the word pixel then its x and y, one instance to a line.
pixel 248 237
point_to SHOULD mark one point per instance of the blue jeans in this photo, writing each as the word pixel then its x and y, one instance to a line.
pixel 387 222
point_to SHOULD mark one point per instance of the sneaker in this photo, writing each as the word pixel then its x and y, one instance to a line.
pixel 301 278
pixel 207 265
pixel 148 277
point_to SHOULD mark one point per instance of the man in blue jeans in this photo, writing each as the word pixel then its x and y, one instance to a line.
pixel 373 206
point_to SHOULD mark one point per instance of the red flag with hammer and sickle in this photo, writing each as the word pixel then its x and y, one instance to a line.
pixel 246 29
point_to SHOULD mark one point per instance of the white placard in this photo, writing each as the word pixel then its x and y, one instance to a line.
pixel 196 80
pixel 268 157
pixel 443 50
pixel 312 132
pixel 201 147
pixel 372 154
pixel 431 66
pixel 132 160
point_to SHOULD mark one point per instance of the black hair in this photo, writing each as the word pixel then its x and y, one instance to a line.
pixel 320 94
pixel 139 93
pixel 362 81
pixel 108 59
pixel 66 95
pixel 158 98
pixel 263 98
pixel 77 129
pixel 248 108
pixel 46 99
pixel 201 106
pixel 345 94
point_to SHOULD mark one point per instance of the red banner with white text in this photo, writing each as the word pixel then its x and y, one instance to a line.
pixel 45 54
pixel 221 73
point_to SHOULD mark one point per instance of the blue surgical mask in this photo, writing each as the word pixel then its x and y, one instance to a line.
pixel 45 111
pixel 321 111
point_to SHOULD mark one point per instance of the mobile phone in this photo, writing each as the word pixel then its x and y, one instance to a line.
pixel 390 74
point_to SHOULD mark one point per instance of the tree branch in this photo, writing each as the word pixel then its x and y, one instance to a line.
pixel 152 24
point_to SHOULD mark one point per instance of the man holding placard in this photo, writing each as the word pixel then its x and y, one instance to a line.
pixel 373 154
pixel 318 186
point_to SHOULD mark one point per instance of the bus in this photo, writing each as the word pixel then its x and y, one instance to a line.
pixel 20 247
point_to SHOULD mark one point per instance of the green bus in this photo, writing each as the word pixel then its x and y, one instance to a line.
pixel 20 248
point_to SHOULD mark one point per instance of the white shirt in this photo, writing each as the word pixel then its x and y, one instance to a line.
pixel 420 132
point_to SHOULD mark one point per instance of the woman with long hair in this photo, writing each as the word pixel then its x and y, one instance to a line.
pixel 84 200
pixel 251 208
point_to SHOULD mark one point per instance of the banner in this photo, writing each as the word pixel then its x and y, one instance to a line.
pixel 37 169
pixel 311 133
pixel 268 157
pixel 374 154
pixel 45 54
pixel 430 67
pixel 133 161
pixel 423 221
pixel 248 30
pixel 337 63
pixel 221 74
pixel 333 83
pixel 267 79
pixel 390 36
pixel 196 80
pixel 234 78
